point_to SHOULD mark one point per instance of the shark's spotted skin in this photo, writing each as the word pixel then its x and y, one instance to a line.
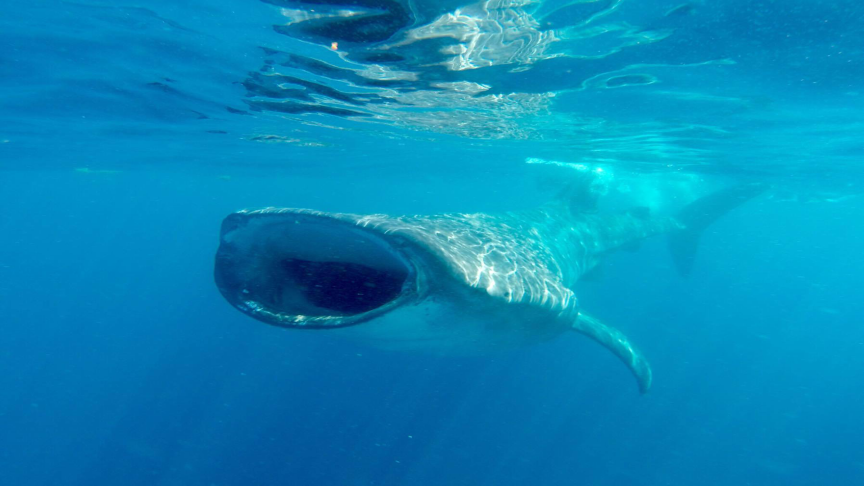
pixel 529 257
pixel 450 283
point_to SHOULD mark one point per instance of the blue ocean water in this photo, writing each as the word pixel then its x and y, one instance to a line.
pixel 128 131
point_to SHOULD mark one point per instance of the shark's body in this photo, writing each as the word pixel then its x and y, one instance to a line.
pixel 452 283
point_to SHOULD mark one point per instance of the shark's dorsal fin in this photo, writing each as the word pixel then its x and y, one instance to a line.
pixel 615 341
pixel 582 192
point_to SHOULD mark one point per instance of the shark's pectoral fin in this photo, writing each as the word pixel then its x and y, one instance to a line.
pixel 615 341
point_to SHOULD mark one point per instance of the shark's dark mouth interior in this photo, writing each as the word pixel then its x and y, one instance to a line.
pixel 288 268
pixel 328 287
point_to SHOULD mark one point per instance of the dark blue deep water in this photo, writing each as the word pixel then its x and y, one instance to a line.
pixel 129 130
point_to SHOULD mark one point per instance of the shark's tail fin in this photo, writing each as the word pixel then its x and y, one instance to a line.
pixel 699 214
pixel 615 341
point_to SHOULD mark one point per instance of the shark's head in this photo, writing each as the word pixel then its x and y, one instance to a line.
pixel 307 269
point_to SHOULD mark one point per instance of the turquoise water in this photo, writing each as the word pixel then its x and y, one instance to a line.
pixel 128 131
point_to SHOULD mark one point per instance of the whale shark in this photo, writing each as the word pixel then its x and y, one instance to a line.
pixel 449 283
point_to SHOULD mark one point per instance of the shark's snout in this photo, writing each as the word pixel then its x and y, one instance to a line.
pixel 309 270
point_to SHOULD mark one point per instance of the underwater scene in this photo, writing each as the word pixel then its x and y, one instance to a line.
pixel 432 242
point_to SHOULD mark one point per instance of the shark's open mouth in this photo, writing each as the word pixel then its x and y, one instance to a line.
pixel 301 269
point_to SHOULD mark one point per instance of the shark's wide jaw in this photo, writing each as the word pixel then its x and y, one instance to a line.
pixel 309 270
